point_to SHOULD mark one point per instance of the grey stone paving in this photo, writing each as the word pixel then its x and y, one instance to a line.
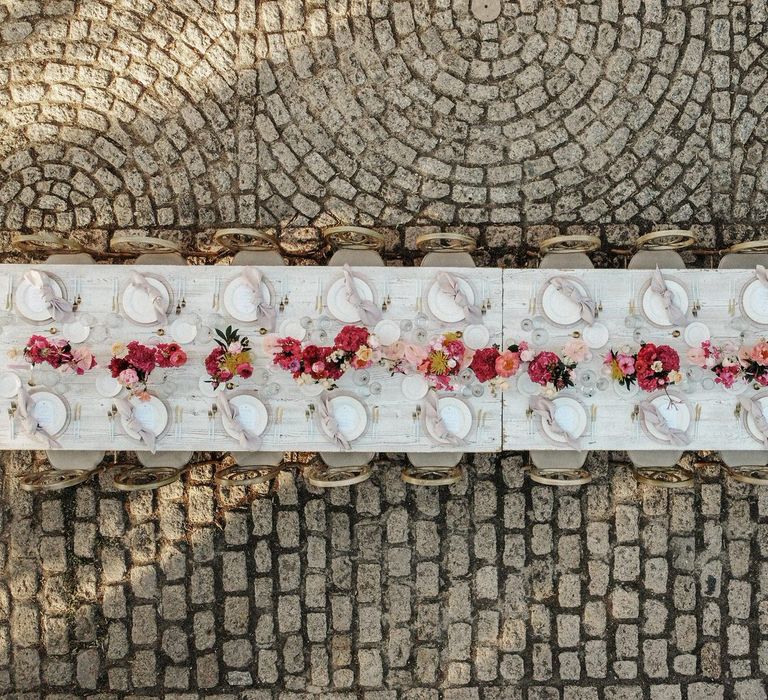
pixel 494 588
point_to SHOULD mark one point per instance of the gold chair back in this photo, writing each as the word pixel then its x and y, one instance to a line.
pixel 45 242
pixel 431 476
pixel 559 477
pixel 446 242
pixel 354 237
pixel 673 239
pixel 674 477
pixel 137 242
pixel 256 239
pixel 242 475
pixel 759 246
pixel 755 475
pixel 578 243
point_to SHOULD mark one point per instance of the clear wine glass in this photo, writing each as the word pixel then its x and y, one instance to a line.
pixel 420 335
pixel 361 377
pixel 478 390
pixel 406 325
pixel 539 337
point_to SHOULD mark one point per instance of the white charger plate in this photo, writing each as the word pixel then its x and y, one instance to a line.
pixel 558 307
pixel 414 387
pixel 444 307
pixel 49 410
pixel 10 383
pixel 696 333
pixel 152 414
pixel 749 419
pixel 350 415
pixel 387 331
pixel 238 299
pixel 754 301
pixel 653 307
pixel 251 413
pixel 138 306
pixel 337 303
pixel 596 336
pixel 570 415
pixel 29 300
pixel 677 415
pixel 456 415
pixel 183 332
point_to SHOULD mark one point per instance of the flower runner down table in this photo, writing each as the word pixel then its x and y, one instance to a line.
pixel 180 340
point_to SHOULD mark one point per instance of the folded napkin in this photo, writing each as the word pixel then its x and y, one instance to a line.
pixel 229 416
pixel 252 279
pixel 659 286
pixel 450 285
pixel 568 289
pixel 29 424
pixel 60 309
pixel 651 416
pixel 125 409
pixel 370 315
pixel 435 425
pixel 761 274
pixel 140 282
pixel 754 407
pixel 328 423
pixel 546 410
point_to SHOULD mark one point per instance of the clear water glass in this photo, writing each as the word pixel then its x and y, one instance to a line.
pixel 406 325
pixel 466 375
pixel 98 334
pixel 375 388
pixel 527 324
pixel 361 377
pixel 539 321
pixel 539 337
pixel 602 384
pixel 261 375
pixel 420 335
pixel 324 322
pixel 322 335
pixel 272 389
pixel 707 383
pixel 588 378
pixel 421 320
pixel 466 391
pixel 637 336
pixel 588 391
pixel 306 322
pixel 478 390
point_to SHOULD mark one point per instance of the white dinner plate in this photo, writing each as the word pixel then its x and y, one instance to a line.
pixel 414 387
pixel 387 332
pixel 653 307
pixel 558 307
pixel 251 413
pixel 138 306
pixel 10 383
pixel 456 415
pixel 754 301
pixel 350 416
pixel 571 417
pixel 238 299
pixel 107 386
pixel 29 300
pixel 49 410
pixel 442 304
pixel 676 414
pixel 596 336
pixel 152 414
pixel 291 328
pixel 183 332
pixel 76 332
pixel 476 336
pixel 696 333
pixel 749 420
pixel 337 303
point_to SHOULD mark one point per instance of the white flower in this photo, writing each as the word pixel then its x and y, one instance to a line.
pixel 657 366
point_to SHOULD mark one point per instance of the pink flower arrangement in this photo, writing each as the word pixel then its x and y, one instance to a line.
pixel 360 347
pixel 491 363
pixel 722 360
pixel 312 364
pixel 551 371
pixel 622 366
pixel 59 354
pixel 132 364
pixel 230 358
pixel 657 366
pixel 445 357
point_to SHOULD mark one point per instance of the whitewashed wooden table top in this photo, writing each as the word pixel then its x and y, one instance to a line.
pixel 395 430
pixel 614 428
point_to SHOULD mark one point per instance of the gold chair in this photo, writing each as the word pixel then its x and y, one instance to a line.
pixel 661 468
pixel 433 468
pixel 150 250
pixel 60 250
pixel 659 249
pixel 340 469
pixel 746 467
pixel 745 256
pixel 252 246
pixel 559 467
pixel 250 468
pixel 355 246
pixel 153 471
pixel 446 249
pixel 568 252
pixel 67 468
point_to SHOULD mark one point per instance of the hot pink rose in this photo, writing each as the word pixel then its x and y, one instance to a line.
pixel 128 377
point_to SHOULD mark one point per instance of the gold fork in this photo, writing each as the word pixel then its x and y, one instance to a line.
pixel 592 420
pixel 696 419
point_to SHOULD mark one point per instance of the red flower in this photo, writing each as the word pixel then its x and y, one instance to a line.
pixel 244 370
pixel 350 338
pixel 484 364
pixel 141 356
pixel 541 367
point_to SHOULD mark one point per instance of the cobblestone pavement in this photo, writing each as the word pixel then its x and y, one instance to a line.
pixel 203 112
pixel 492 589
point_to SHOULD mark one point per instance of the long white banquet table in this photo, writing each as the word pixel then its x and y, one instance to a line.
pixel 518 305
pixel 391 425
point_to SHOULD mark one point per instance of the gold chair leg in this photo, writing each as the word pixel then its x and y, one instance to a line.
pixel 324 476
pixel 431 476
pixel 676 477
pixel 560 477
